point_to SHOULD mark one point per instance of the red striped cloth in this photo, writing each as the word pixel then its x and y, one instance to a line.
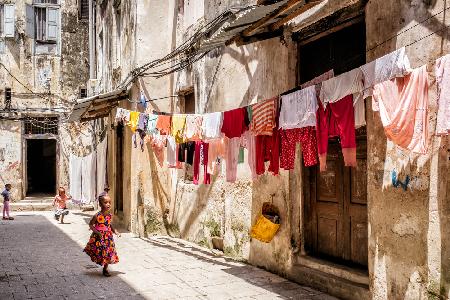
pixel 263 117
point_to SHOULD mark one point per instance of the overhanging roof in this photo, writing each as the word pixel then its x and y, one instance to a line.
pixel 256 21
pixel 98 106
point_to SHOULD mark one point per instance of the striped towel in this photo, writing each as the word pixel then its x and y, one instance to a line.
pixel 263 118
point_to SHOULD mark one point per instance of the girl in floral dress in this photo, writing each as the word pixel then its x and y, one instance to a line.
pixel 101 247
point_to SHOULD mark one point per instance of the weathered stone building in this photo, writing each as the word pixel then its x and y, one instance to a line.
pixel 43 69
pixel 349 232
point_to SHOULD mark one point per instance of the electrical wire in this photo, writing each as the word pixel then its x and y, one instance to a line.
pixel 179 59
pixel 189 44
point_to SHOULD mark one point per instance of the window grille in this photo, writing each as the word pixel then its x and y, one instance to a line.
pixel 41 125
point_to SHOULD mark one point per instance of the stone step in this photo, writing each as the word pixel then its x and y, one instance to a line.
pixel 27 200
pixel 38 206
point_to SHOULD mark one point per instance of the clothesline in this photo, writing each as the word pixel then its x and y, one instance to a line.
pixel 325 107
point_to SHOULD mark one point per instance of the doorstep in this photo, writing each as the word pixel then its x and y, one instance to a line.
pixel 337 280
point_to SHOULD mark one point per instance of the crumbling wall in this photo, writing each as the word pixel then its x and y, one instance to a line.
pixel 48 83
pixel 11 157
pixel 406 240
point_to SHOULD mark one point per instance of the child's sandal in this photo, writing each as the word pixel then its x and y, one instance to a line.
pixel 106 273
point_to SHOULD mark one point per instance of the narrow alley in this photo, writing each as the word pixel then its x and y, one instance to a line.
pixel 42 259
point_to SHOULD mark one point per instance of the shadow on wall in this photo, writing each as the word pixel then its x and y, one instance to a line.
pixel 197 206
pixel 160 195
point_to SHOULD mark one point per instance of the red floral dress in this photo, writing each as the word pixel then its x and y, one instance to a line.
pixel 101 248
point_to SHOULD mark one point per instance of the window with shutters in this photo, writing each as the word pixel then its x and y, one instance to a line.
pixel 43 19
pixel 83 9
pixel 7 22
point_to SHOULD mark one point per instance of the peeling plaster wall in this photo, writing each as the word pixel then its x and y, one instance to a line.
pixel 408 244
pixel 11 156
pixel 57 77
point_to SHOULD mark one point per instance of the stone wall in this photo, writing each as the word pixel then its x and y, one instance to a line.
pixel 408 244
pixel 50 84
pixel 408 252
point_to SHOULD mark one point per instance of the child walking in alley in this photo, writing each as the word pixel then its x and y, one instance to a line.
pixel 60 204
pixel 6 198
pixel 101 247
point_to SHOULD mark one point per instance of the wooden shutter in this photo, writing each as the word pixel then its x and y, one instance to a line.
pixel 9 20
pixel 52 24
pixel 30 21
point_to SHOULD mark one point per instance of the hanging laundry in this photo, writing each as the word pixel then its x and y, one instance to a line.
pixel 249 115
pixel 142 122
pixel 249 142
pixel 186 152
pixel 442 70
pixel 134 119
pixel 267 148
pixel 233 124
pixel 403 107
pixel 241 157
pixel 171 157
pixel 177 129
pixel 142 105
pixel 263 117
pixel 212 125
pixel 88 170
pixel 158 143
pixel 298 109
pixel 394 64
pixel 141 130
pixel 216 152
pixel 336 88
pixel 360 113
pixel 231 159
pixel 163 124
pixel 122 116
pixel 75 164
pixel 193 130
pixel 317 81
pixel 201 157
pixel 151 124
pixel 289 138
pixel 349 83
pixel 337 120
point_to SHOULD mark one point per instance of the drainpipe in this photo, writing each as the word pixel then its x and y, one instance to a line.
pixel 91 41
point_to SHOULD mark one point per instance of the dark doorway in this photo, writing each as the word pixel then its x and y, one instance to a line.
pixel 335 211
pixel 189 103
pixel 41 166
pixel 119 169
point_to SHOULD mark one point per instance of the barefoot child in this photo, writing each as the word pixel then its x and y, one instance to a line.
pixel 101 247
pixel 6 198
pixel 60 204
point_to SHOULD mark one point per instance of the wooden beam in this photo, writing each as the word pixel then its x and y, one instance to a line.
pixel 251 30
pixel 339 19
pixel 294 14
pixel 240 41
pixel 336 28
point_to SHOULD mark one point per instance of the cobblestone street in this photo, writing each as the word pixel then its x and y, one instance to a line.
pixel 41 259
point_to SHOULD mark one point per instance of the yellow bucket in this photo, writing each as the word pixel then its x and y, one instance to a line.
pixel 264 230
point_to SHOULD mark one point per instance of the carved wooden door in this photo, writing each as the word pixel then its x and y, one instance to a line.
pixel 336 207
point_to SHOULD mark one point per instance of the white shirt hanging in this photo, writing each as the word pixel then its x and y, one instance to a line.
pixel 298 109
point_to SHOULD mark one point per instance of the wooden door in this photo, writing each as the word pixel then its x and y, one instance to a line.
pixel 336 207
pixel 119 169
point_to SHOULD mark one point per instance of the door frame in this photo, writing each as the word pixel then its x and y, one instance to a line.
pixel 25 139
pixel 306 207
